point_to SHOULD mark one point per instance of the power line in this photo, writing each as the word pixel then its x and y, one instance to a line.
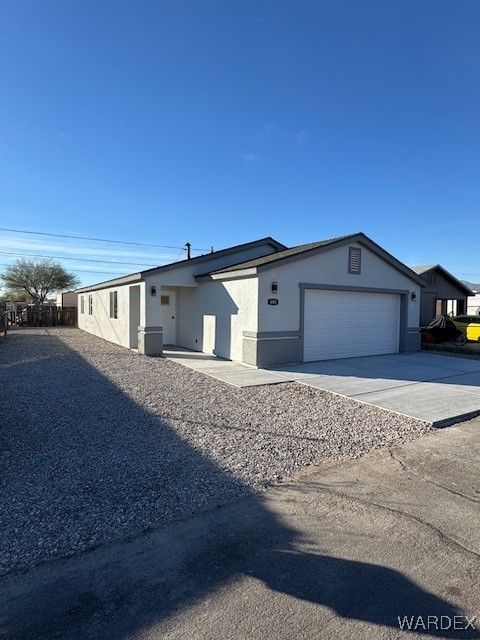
pixel 73 237
pixel 86 271
pixel 39 255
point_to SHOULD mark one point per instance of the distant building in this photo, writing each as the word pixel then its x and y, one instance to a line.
pixel 474 304
pixel 443 295
pixel 67 299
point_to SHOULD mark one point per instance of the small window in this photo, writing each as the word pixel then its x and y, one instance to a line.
pixel 113 304
pixel 82 304
pixel 164 299
pixel 90 305
pixel 354 260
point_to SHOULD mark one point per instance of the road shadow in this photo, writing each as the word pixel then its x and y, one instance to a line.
pixel 80 450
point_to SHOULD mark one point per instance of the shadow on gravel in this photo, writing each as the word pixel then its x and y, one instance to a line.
pixel 73 456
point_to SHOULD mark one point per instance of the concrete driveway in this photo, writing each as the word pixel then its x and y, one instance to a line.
pixel 431 387
pixel 438 389
pixel 343 552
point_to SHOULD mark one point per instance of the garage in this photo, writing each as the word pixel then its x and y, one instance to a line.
pixel 345 324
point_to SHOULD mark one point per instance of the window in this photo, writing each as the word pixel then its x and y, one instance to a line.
pixel 90 305
pixel 164 299
pixel 113 304
pixel 82 304
pixel 354 260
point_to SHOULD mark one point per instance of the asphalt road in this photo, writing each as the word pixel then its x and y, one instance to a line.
pixel 339 553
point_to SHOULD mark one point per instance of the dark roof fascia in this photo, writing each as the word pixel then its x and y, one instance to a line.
pixel 140 276
pixel 361 238
pixel 278 246
pixel 452 278
pixel 116 282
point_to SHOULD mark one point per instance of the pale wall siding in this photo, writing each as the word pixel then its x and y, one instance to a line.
pixel 474 305
pixel 213 316
pixel 329 267
pixel 100 323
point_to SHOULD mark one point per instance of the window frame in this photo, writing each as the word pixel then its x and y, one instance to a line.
pixel 90 304
pixel 82 305
pixel 113 306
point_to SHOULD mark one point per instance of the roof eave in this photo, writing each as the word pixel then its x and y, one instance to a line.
pixel 116 282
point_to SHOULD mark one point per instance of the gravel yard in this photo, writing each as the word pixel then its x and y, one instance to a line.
pixel 98 444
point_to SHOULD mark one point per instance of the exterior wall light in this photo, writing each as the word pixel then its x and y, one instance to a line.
pixel 414 295
pixel 153 290
pixel 274 287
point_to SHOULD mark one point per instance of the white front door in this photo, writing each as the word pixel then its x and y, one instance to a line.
pixel 168 304
pixel 344 324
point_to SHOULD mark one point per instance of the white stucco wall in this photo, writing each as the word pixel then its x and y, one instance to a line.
pixel 213 316
pixel 329 267
pixel 473 305
pixel 182 280
pixel 99 323
pixel 184 276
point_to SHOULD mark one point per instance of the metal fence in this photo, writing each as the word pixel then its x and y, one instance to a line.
pixel 41 316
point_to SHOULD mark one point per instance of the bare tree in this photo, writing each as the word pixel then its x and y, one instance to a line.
pixel 36 280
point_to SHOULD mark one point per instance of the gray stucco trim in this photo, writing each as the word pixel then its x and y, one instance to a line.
pixel 264 335
pixel 268 352
pixel 232 275
pixel 403 293
pixel 150 329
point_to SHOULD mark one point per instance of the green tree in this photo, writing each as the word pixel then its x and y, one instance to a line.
pixel 36 280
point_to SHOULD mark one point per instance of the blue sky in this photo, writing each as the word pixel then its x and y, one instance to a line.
pixel 220 122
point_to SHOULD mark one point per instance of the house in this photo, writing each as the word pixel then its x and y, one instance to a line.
pixel 473 308
pixel 262 303
pixel 67 299
pixel 444 294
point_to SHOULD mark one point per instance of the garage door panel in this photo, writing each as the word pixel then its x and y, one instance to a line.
pixel 342 324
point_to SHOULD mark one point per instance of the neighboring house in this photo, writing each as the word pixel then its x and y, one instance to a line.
pixel 473 308
pixel 67 299
pixel 263 304
pixel 444 294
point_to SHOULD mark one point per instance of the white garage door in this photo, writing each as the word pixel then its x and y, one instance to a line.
pixel 344 324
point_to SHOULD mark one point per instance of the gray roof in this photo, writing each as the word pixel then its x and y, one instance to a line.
pixel 300 251
pixel 424 268
pixel 139 275
pixel 279 255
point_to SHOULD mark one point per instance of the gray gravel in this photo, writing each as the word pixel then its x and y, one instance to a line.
pixel 98 444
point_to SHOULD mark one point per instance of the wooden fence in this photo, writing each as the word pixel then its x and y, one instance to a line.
pixel 42 316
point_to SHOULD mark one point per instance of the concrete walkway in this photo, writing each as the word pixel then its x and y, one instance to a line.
pixel 234 373
pixel 434 388
pixel 340 553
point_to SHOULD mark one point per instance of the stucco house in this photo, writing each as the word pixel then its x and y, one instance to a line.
pixel 262 303
pixel 444 294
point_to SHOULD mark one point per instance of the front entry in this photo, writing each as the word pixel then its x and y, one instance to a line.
pixel 168 304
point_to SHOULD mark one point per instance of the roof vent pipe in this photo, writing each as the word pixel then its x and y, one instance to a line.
pixel 188 246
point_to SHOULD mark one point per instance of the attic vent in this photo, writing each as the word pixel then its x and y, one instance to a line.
pixel 354 260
